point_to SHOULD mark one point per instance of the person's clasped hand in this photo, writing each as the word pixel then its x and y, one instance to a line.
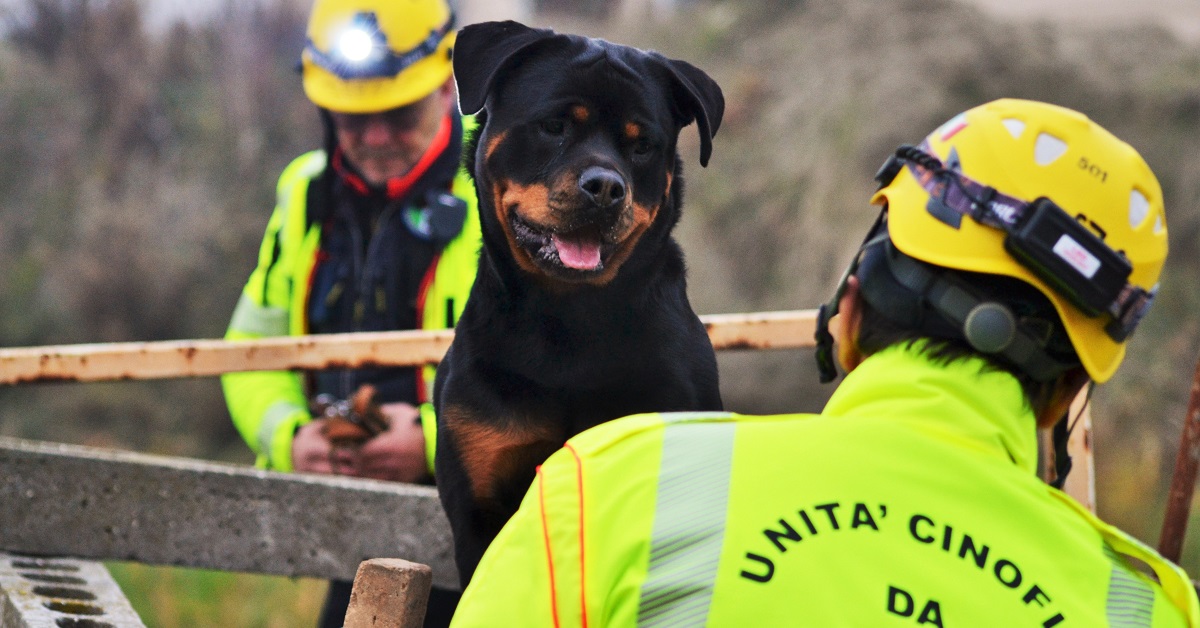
pixel 314 452
pixel 396 454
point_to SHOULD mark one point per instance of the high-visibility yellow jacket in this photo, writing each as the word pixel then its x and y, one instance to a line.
pixel 912 500
pixel 268 406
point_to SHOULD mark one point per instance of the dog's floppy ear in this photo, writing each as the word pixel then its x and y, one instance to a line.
pixel 481 51
pixel 698 97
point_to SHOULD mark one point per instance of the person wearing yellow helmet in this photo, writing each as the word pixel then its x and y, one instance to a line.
pixel 1018 247
pixel 376 231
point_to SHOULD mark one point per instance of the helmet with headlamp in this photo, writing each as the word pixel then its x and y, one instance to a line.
pixel 365 56
pixel 1038 193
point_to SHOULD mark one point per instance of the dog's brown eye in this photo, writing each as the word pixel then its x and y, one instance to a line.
pixel 642 147
pixel 554 126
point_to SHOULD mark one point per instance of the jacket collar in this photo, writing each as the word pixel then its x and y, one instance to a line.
pixel 966 399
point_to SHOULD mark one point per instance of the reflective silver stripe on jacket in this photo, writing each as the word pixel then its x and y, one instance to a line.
pixel 251 318
pixel 272 419
pixel 689 520
pixel 1130 599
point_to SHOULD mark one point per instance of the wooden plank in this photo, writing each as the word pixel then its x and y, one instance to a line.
pixel 762 330
pixel 198 358
pixel 62 500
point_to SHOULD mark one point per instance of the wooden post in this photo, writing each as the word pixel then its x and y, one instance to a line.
pixel 1183 482
pixel 389 593
pixel 1081 481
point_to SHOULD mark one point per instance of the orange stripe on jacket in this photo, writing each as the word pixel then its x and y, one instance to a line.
pixel 549 554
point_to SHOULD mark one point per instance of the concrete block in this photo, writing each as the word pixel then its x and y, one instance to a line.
pixel 63 500
pixel 61 593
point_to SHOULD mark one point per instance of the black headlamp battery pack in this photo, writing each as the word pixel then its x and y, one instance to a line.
pixel 1066 254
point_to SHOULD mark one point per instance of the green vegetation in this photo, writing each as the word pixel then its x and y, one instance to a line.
pixel 169 597
pixel 138 173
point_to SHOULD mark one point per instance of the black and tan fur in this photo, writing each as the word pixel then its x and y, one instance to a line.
pixel 579 313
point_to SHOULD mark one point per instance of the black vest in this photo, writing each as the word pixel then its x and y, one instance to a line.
pixel 371 263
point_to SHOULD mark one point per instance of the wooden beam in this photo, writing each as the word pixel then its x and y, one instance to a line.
pixel 762 330
pixel 199 358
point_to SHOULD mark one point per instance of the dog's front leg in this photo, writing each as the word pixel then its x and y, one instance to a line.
pixel 483 471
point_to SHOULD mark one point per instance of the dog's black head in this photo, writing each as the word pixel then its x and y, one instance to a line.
pixel 576 162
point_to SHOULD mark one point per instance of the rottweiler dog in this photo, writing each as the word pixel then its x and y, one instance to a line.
pixel 579 312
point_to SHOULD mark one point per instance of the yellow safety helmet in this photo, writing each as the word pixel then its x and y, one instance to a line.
pixel 1042 194
pixel 365 56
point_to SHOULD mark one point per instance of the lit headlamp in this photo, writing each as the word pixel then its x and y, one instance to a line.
pixel 361 50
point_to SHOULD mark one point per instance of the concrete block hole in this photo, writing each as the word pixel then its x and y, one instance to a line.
pixel 74 608
pixel 71 622
pixel 67 593
pixel 43 564
pixel 43 577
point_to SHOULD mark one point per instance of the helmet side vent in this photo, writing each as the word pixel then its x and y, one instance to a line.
pixel 1015 127
pixel 1048 149
pixel 1139 208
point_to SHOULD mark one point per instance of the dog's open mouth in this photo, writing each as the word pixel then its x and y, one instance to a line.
pixel 577 252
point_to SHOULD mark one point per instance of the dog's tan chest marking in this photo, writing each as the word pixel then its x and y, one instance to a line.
pixel 492 455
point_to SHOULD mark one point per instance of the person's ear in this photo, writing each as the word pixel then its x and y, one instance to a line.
pixel 845 326
pixel 448 93
pixel 1068 387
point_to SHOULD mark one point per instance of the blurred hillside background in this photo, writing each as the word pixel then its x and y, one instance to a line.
pixel 139 147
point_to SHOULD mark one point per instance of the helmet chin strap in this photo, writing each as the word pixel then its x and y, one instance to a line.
pixel 826 366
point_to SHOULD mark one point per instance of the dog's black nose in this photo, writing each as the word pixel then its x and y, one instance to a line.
pixel 603 186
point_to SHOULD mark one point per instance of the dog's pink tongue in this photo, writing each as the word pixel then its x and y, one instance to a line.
pixel 580 253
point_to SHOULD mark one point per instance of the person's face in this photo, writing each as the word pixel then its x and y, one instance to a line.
pixel 388 144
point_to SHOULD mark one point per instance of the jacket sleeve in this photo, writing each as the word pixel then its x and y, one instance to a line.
pixel 268 406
